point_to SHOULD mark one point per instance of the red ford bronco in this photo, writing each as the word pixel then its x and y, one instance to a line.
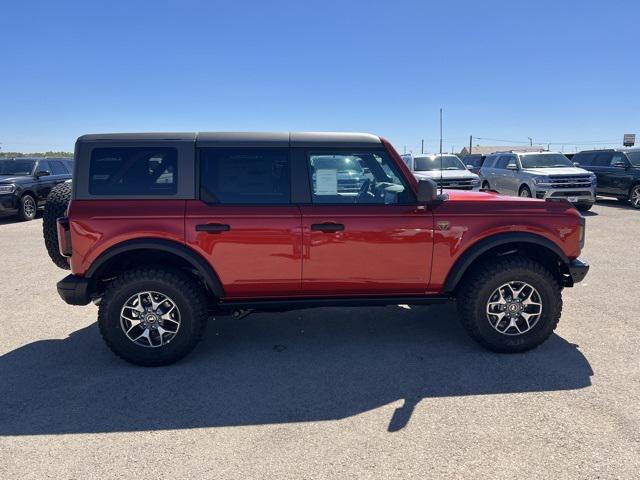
pixel 165 229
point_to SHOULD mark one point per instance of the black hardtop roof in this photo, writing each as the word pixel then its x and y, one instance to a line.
pixel 246 139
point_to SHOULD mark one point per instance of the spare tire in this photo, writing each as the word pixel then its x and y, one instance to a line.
pixel 54 208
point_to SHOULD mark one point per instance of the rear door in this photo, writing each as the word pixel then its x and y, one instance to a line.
pixel 244 223
pixel 601 164
pixel 376 240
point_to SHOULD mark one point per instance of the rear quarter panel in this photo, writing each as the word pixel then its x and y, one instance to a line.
pixel 97 225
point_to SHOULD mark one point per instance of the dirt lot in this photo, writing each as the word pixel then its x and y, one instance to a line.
pixel 331 393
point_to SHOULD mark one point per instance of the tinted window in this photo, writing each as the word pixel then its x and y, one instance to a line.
pixel 57 167
pixel 444 162
pixel 17 167
pixel 617 158
pixel 356 177
pixel 584 158
pixel 634 158
pixel 602 159
pixel 503 161
pixel 133 171
pixel 244 175
pixel 545 160
pixel 475 161
pixel 69 165
pixel 43 166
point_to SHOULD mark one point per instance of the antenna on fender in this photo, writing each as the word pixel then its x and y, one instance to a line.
pixel 441 176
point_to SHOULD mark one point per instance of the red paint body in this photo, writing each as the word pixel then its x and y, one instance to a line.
pixel 271 251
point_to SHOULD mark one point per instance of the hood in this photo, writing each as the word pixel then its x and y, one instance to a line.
pixel 13 178
pixel 446 174
pixel 557 171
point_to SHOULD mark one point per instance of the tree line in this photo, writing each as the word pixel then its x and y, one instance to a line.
pixel 35 154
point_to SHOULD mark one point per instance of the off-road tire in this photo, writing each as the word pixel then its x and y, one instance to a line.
pixel 477 287
pixel 24 212
pixel 54 208
pixel 189 297
pixel 584 208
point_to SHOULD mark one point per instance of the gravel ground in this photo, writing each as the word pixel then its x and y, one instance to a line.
pixel 328 393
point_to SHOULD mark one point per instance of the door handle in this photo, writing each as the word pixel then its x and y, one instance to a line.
pixel 327 227
pixel 213 228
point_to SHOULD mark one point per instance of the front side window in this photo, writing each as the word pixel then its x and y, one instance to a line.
pixel 603 159
pixel 245 175
pixel 17 167
pixel 437 162
pixel 548 160
pixel 616 159
pixel 356 177
pixel 503 161
pixel 43 166
pixel 133 171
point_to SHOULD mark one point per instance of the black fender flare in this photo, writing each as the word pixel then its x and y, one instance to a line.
pixel 476 250
pixel 203 267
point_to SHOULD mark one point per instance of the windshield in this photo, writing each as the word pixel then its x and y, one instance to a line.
pixel 634 158
pixel 16 167
pixel 340 163
pixel 449 162
pixel 548 160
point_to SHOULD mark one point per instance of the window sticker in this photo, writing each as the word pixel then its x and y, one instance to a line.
pixel 326 182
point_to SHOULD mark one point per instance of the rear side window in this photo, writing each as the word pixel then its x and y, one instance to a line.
pixel 134 171
pixel 503 161
pixel 584 158
pixel 244 175
pixel 58 168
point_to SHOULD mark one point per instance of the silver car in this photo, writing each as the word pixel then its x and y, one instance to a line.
pixel 539 175
pixel 447 171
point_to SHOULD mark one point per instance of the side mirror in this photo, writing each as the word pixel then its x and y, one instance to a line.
pixel 576 164
pixel 512 166
pixel 43 173
pixel 428 192
pixel 469 167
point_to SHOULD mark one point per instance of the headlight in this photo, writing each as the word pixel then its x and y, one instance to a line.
pixel 594 179
pixel 541 180
pixel 7 188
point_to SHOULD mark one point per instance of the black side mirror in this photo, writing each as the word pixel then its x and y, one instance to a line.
pixel 42 173
pixel 428 192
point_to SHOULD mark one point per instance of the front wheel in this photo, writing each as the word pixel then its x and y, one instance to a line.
pixel 584 207
pixel 510 305
pixel 28 208
pixel 152 316
pixel 634 196
pixel 525 192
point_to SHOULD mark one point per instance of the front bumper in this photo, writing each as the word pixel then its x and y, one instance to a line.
pixel 8 203
pixel 74 290
pixel 578 269
pixel 577 196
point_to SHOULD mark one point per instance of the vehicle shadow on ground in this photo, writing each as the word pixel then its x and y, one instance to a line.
pixel 9 219
pixel 612 202
pixel 312 365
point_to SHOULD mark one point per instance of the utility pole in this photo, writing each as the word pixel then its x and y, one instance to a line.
pixel 422 147
pixel 470 143
pixel 530 141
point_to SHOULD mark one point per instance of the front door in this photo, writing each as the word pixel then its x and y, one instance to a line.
pixel 244 223
pixel 363 231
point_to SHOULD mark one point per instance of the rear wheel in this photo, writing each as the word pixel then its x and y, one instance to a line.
pixel 525 192
pixel 56 207
pixel 28 208
pixel 510 305
pixel 152 316
pixel 634 196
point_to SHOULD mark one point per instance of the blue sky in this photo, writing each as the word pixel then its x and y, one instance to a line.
pixel 556 71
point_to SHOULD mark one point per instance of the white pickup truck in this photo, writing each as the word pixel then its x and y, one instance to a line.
pixel 447 170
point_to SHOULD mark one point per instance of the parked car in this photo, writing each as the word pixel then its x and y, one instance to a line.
pixel 447 170
pixel 25 183
pixel 164 230
pixel 539 175
pixel 474 162
pixel 618 172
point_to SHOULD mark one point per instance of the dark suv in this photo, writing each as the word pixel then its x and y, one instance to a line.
pixel 164 230
pixel 25 183
pixel 617 170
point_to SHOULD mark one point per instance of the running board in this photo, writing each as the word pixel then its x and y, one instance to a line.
pixel 302 303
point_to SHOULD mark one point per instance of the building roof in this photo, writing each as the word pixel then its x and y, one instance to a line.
pixel 487 150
